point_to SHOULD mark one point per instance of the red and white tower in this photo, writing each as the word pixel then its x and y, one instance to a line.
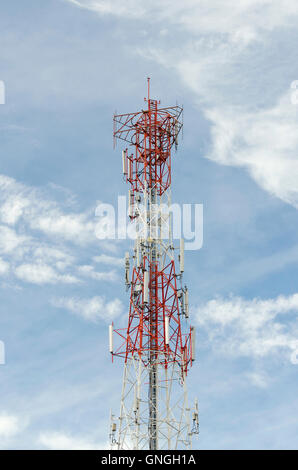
pixel 157 346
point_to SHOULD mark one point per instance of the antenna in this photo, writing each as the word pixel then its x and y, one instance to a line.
pixel 148 81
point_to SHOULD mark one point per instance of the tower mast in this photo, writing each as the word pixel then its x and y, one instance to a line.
pixel 157 346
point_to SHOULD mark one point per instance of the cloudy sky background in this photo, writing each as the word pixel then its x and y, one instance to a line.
pixel 67 66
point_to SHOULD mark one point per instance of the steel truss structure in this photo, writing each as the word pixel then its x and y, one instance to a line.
pixel 157 346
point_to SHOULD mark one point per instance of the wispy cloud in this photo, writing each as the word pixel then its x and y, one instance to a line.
pixel 245 18
pixel 264 142
pixel 245 131
pixel 92 309
pixel 42 274
pixel 109 260
pixel 4 267
pixel 10 425
pixel 250 328
pixel 39 212
pixel 89 271
pixel 10 240
pixel 41 237
pixel 63 441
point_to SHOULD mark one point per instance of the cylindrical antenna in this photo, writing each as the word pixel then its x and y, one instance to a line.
pixel 129 170
pixel 196 406
pixel 148 81
pixel 146 282
pixel 167 336
pixel 181 255
pixel 127 267
pixel 138 252
pixel 184 364
pixel 130 203
pixel 195 418
pixel 124 162
pixel 193 343
pixel 176 133
pixel 111 339
pixel 186 302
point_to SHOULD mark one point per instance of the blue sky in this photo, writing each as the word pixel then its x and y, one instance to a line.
pixel 67 66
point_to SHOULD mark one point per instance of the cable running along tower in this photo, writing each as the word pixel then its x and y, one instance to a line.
pixel 157 345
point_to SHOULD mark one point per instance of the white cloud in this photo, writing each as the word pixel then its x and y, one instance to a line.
pixel 89 271
pixel 110 260
pixel 12 209
pixel 258 379
pixel 62 441
pixel 9 425
pixel 4 267
pixel 75 227
pixel 93 309
pixel 118 8
pixel 41 212
pixel 254 328
pixel 10 240
pixel 212 59
pixel 246 17
pixel 42 274
pixel 45 252
pixel 264 142
pixel 35 233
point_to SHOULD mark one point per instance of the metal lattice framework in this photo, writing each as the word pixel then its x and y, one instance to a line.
pixel 157 346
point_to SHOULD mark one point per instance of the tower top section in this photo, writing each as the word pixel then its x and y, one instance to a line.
pixel 150 134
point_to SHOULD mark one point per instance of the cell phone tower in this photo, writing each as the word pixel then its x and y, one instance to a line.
pixel 157 345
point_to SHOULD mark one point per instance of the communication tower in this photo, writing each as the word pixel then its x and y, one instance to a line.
pixel 157 346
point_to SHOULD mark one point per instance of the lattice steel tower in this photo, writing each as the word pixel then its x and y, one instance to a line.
pixel 157 345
